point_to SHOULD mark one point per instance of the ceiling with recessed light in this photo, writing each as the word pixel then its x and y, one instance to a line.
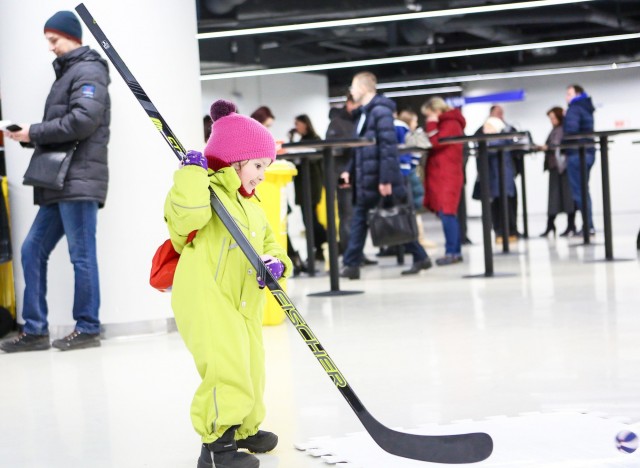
pixel 441 33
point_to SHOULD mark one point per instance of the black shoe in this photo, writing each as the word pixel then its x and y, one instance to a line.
pixel 223 453
pixel 227 459
pixel 417 266
pixel 548 231
pixel 449 259
pixel 592 232
pixel 551 228
pixel 367 261
pixel 25 342
pixel 388 251
pixel 261 442
pixel 570 231
pixel 351 272
pixel 467 241
pixel 298 264
pixel 77 340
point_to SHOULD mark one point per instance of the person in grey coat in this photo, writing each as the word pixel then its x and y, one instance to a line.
pixel 555 161
pixel 77 113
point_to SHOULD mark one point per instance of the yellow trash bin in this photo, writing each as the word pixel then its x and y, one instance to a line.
pixel 274 201
pixel 7 288
pixel 321 210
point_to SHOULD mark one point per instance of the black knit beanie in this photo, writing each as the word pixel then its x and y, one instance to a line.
pixel 66 24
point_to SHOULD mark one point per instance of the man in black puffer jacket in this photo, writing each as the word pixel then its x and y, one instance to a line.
pixel 77 112
pixel 374 172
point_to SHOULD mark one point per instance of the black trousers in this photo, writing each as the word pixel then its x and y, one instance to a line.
pixel 496 216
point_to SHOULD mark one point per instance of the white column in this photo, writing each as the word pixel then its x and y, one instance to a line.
pixel 157 41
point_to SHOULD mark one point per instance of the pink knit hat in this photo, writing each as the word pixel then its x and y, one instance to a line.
pixel 236 137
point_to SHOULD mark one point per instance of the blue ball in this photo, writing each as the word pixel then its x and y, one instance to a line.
pixel 627 441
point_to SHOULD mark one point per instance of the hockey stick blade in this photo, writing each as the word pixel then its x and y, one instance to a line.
pixel 448 449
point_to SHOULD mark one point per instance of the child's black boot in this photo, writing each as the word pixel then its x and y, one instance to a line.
pixel 260 442
pixel 223 453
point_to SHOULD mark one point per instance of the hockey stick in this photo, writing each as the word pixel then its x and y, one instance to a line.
pixel 450 449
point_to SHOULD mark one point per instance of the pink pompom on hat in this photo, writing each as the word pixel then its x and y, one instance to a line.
pixel 236 137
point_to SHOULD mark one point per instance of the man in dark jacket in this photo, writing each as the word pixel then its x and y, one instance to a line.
pixel 373 172
pixel 77 113
pixel 579 119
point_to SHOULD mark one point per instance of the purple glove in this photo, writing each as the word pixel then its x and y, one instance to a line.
pixel 275 266
pixel 195 158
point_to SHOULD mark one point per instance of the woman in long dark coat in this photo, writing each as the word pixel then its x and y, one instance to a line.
pixel 304 128
pixel 555 161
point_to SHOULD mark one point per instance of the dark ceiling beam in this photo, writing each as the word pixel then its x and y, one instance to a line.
pixel 422 31
pixel 221 7
pixel 593 16
pixel 295 11
pixel 499 35
pixel 612 21
pixel 353 50
pixel 274 13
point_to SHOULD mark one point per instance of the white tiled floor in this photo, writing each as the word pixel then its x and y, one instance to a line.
pixel 561 334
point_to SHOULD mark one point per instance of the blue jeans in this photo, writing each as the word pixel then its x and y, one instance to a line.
pixel 573 172
pixel 451 228
pixel 416 250
pixel 77 220
pixel 353 256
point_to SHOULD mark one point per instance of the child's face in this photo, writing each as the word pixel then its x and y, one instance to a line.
pixel 251 172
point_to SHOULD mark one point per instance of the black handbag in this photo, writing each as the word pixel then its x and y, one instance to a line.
pixel 392 225
pixel 48 166
pixel 476 191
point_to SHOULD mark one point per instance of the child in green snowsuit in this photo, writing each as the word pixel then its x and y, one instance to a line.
pixel 217 300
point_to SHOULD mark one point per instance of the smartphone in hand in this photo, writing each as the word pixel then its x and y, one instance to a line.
pixel 9 126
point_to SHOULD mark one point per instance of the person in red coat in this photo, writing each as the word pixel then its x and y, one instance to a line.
pixel 443 174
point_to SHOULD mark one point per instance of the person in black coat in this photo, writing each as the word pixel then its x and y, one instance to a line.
pixel 374 172
pixel 560 196
pixel 341 126
pixel 77 113
pixel 304 128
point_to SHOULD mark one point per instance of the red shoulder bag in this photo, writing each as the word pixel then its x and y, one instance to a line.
pixel 164 263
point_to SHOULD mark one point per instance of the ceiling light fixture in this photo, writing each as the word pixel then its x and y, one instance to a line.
pixel 421 57
pixel 505 75
pixel 410 92
pixel 387 18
